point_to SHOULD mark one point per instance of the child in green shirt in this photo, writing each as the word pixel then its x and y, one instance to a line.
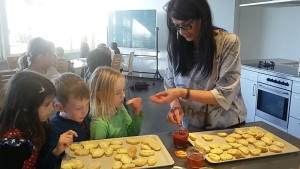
pixel 110 119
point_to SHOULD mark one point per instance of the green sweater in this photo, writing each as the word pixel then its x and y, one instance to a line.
pixel 119 125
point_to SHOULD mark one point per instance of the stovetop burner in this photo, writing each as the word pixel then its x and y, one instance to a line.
pixel 266 65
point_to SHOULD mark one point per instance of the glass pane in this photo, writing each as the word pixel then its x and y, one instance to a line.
pixel 272 104
pixel 133 28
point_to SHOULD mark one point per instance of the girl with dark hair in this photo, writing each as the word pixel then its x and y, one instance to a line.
pixel 24 119
pixel 40 58
pixel 202 80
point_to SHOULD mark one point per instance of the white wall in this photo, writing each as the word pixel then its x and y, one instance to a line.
pixel 223 12
pixel 267 32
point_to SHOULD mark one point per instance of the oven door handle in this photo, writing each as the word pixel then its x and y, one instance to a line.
pixel 274 91
pixel 254 90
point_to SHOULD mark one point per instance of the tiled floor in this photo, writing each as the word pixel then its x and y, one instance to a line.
pixel 154 114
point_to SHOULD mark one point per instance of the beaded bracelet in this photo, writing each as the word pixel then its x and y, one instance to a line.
pixel 187 96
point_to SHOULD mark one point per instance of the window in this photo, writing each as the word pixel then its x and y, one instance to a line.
pixel 64 22
pixel 133 28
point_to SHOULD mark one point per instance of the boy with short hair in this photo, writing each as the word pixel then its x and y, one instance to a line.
pixel 72 102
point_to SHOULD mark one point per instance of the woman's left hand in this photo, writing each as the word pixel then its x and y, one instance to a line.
pixel 167 96
pixel 136 104
pixel 175 116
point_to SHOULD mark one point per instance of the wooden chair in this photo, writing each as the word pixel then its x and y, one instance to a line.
pixel 12 62
pixel 62 65
pixel 4 78
pixel 116 62
pixel 130 64
pixel 130 71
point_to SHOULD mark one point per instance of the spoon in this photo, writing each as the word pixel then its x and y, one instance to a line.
pixel 181 127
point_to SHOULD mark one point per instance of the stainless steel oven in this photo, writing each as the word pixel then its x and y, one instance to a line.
pixel 273 99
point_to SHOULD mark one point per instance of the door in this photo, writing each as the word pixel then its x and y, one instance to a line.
pixel 248 89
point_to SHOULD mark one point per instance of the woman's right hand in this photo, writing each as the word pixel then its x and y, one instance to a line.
pixel 175 116
pixel 65 140
pixel 167 96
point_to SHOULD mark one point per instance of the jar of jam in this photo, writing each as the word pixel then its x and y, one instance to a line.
pixel 180 138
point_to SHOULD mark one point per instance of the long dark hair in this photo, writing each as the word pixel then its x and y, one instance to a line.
pixel 182 53
pixel 37 46
pixel 26 92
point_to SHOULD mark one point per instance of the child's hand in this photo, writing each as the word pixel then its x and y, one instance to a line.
pixel 65 140
pixel 136 104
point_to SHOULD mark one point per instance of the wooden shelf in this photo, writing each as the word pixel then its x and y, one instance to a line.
pixel 274 3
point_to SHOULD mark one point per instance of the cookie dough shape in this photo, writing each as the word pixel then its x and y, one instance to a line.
pixel 275 149
pixel 244 150
pixel 128 166
pixel 82 152
pixel 104 144
pixel 125 159
pixel 222 134
pixel 95 165
pixel 217 151
pixel 116 142
pixel 255 152
pixel 152 161
pixel 75 146
pixel 97 153
pixel 214 157
pixel 207 137
pixel 225 157
pixel 154 145
pixel 139 162
pixel 192 136
pixel 109 152
pixel 145 147
pixel 225 147
pixel 267 140
pixel 117 165
pixel 133 141
pixel 240 131
pixel 243 142
pixel 279 144
pixel 132 151
pixel 122 151
pixel 198 143
pixel 230 139
pixel 147 153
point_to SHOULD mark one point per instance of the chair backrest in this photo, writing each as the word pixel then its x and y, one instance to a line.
pixel 62 65
pixel 12 62
pixel 116 62
pixel 130 62
pixel 4 78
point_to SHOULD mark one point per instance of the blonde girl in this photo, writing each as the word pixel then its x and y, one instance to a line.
pixel 110 119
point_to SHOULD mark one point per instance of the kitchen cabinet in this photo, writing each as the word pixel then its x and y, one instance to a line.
pixel 293 128
pixel 294 119
pixel 272 124
pixel 248 89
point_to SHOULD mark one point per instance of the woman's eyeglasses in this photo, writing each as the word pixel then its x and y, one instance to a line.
pixel 187 26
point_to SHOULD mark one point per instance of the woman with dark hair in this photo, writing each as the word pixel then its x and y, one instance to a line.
pixel 40 58
pixel 202 80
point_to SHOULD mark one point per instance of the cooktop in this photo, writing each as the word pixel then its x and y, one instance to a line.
pixel 284 66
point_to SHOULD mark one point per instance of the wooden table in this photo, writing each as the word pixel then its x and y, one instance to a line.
pixel 79 63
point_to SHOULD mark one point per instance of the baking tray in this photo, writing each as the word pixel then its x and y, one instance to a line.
pixel 163 156
pixel 288 148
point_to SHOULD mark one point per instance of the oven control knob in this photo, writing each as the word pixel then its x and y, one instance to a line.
pixel 276 81
pixel 268 79
pixel 286 83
